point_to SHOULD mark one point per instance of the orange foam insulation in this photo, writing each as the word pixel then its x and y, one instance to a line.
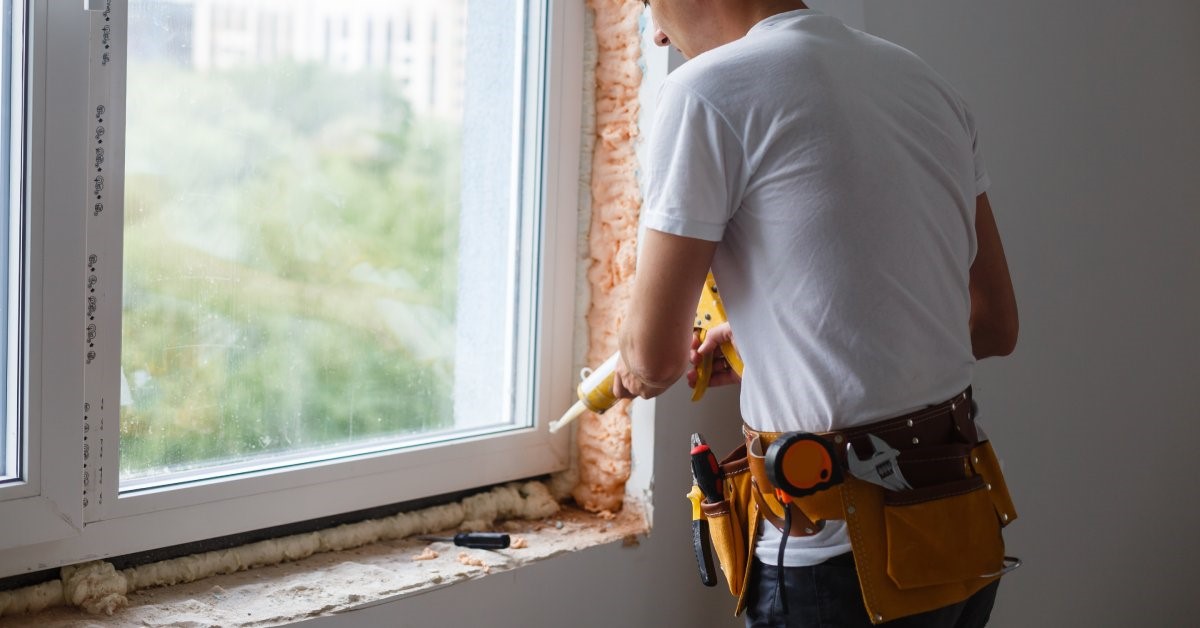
pixel 604 440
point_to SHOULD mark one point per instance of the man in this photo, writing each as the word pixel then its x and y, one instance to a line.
pixel 833 183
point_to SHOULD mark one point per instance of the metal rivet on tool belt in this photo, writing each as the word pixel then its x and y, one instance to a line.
pixel 878 618
pixel 1004 516
pixel 808 530
pixel 916 440
pixel 838 439
pixel 909 422
pixel 849 510
pixel 953 407
pixel 989 486
pixel 975 459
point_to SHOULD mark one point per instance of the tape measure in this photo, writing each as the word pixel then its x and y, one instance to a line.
pixel 801 463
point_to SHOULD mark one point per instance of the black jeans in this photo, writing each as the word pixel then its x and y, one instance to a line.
pixel 828 596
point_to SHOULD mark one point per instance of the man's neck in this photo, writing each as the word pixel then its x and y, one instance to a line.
pixel 750 13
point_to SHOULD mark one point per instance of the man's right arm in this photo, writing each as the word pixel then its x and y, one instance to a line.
pixel 993 305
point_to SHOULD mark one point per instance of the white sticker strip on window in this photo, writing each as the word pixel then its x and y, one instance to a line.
pixel 104 224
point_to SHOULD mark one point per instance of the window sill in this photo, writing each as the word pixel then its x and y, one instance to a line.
pixel 336 582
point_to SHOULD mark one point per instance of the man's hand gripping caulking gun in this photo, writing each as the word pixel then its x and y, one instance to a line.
pixel 596 390
pixel 711 331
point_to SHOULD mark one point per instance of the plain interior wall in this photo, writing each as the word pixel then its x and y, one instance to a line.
pixel 1087 113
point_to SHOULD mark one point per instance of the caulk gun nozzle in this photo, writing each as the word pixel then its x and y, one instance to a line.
pixel 568 416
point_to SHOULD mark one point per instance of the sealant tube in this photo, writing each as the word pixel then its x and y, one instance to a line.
pixel 595 393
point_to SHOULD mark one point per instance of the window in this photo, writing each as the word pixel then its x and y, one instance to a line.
pixel 291 256
pixel 11 79
pixel 307 285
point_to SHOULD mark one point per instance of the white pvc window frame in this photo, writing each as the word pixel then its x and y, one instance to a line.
pixel 45 505
pixel 75 509
pixel 12 91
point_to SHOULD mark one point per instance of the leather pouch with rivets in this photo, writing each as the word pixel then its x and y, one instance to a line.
pixel 733 524
pixel 984 462
pixel 942 534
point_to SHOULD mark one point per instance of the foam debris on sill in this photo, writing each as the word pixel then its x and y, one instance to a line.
pixel 308 575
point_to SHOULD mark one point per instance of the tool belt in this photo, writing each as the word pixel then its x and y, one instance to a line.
pixel 924 547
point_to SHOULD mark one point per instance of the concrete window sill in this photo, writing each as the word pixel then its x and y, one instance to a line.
pixel 336 582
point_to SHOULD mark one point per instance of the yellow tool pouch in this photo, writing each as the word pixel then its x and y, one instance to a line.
pixel 915 555
pixel 927 543
pixel 732 525
pixel 949 532
pixel 916 550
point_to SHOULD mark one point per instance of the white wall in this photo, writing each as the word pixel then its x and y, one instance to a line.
pixel 1088 113
pixel 1088 116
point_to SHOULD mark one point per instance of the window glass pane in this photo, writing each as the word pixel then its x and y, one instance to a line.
pixel 11 76
pixel 294 248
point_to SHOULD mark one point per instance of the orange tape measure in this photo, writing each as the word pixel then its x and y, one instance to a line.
pixel 800 464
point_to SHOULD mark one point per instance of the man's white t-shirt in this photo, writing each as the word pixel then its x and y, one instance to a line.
pixel 839 174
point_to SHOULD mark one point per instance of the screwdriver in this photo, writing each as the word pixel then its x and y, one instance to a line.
pixel 473 540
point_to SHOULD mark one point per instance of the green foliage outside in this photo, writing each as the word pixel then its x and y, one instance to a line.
pixel 289 251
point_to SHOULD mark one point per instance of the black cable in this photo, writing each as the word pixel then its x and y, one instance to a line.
pixel 780 587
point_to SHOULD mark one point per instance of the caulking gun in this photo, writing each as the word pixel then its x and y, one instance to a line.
pixel 595 391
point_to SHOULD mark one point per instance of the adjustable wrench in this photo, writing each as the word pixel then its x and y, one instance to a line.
pixel 878 468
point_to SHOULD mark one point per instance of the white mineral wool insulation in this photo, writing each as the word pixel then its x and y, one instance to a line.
pixel 98 587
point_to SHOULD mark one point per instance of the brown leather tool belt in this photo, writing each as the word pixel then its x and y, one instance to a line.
pixel 934 443
pixel 929 543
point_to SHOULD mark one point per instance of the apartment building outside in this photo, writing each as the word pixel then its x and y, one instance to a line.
pixel 418 43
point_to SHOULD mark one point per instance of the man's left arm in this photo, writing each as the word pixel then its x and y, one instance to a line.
pixel 655 338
